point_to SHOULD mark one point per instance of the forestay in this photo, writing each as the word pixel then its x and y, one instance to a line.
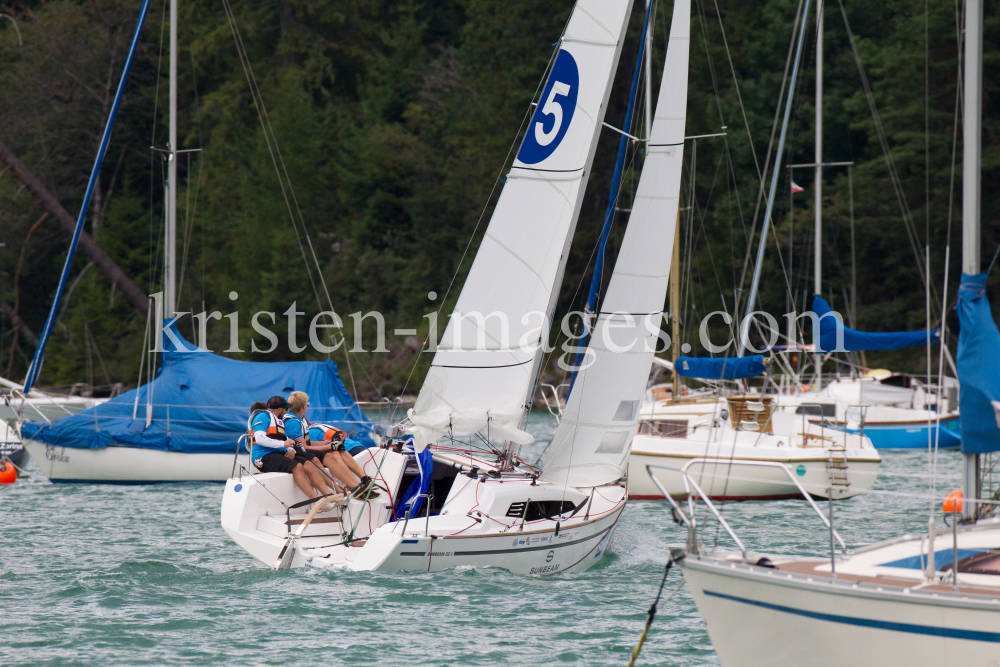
pixel 483 369
pixel 592 443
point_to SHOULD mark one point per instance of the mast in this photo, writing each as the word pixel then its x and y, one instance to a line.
pixel 36 363
pixel 818 183
pixel 762 242
pixel 675 306
pixel 609 216
pixel 971 164
pixel 649 78
pixel 170 246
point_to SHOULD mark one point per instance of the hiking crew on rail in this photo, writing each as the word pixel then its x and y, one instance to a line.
pixel 285 441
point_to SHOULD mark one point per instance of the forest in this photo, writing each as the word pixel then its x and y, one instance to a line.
pixel 389 127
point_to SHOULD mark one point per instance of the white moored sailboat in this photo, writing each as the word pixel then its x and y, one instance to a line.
pixel 722 443
pixel 489 509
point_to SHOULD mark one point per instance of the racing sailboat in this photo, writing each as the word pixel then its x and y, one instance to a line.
pixel 491 509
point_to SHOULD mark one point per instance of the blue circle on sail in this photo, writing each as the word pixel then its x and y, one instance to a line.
pixel 554 112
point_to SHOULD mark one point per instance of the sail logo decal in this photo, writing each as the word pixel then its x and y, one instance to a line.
pixel 554 113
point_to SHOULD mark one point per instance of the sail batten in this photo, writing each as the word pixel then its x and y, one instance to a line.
pixel 592 442
pixel 510 290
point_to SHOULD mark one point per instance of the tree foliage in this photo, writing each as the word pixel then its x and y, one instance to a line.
pixel 395 122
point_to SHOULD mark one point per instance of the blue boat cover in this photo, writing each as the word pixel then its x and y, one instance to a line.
pixel 978 368
pixel 720 369
pixel 201 403
pixel 860 340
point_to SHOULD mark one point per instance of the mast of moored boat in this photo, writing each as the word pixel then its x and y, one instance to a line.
pixel 170 242
pixel 818 184
pixel 971 156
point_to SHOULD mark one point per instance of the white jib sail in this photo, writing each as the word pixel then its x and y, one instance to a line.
pixel 482 371
pixel 594 437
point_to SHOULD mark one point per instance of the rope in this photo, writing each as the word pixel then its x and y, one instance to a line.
pixel 652 611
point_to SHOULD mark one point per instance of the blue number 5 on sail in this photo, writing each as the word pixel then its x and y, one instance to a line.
pixel 554 112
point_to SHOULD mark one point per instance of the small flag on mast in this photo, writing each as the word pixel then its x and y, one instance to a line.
pixel 797 188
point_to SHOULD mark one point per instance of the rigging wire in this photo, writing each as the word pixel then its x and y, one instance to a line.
pixel 761 193
pixel 270 138
pixel 458 267
pixel 897 184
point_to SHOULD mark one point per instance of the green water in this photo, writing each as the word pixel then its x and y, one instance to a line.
pixel 144 575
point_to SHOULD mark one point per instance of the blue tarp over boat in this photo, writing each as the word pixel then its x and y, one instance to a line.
pixel 200 404
pixel 978 364
pixel 720 369
pixel 860 340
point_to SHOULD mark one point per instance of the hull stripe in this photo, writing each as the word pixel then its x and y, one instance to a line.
pixel 545 547
pixel 929 630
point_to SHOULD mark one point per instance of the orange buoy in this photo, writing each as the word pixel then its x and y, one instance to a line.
pixel 953 503
pixel 8 474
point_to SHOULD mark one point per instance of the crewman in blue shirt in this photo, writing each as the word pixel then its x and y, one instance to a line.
pixel 333 453
pixel 273 451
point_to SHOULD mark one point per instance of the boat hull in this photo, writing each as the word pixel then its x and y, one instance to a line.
pixel 254 517
pixel 534 553
pixel 913 435
pixel 127 465
pixel 759 617
pixel 723 478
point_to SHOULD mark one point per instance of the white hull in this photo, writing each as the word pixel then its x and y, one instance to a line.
pixel 723 476
pixel 467 532
pixel 759 617
pixel 127 465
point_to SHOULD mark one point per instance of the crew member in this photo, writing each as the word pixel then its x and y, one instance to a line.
pixel 297 430
pixel 341 465
pixel 272 451
pixel 343 449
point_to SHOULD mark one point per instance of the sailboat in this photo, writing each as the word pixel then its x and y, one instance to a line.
pixel 488 508
pixel 917 600
pixel 741 447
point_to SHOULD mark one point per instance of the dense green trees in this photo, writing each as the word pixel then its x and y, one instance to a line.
pixel 394 122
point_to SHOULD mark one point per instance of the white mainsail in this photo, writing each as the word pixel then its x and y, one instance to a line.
pixel 483 369
pixel 592 443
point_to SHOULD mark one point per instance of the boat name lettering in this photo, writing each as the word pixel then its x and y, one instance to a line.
pixel 52 455
pixel 544 569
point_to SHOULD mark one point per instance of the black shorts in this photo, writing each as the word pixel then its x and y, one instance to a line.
pixel 276 462
pixel 357 450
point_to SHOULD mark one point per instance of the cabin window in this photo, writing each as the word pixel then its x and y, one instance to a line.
pixel 902 381
pixel 537 510
pixel 819 409
pixel 667 428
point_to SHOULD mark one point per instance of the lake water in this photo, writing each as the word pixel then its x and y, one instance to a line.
pixel 144 575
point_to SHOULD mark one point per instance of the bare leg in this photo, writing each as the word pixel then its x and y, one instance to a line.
pixel 301 481
pixel 339 470
pixel 352 465
pixel 316 478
